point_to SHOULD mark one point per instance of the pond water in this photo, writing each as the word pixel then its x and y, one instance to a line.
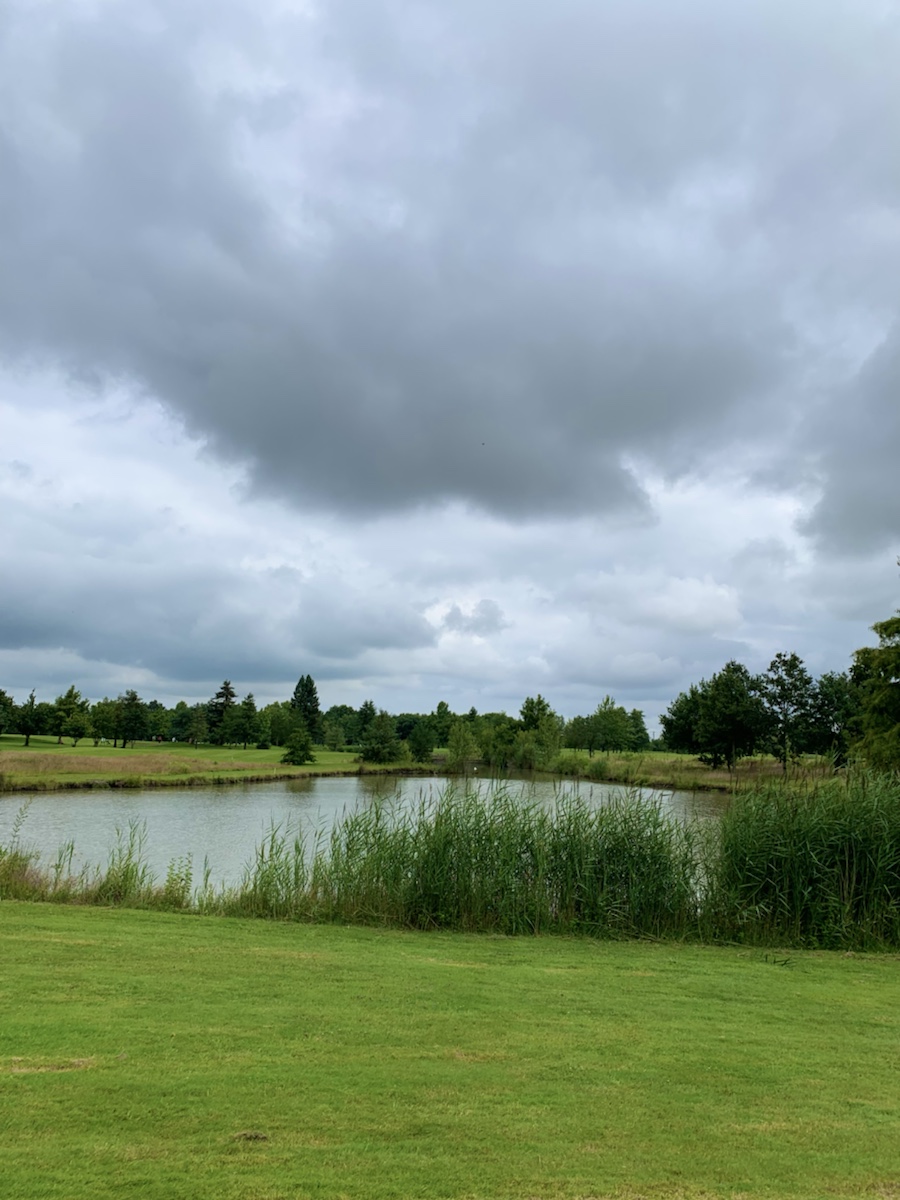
pixel 223 825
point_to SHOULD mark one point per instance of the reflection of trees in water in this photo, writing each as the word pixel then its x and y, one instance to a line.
pixel 300 787
pixel 378 787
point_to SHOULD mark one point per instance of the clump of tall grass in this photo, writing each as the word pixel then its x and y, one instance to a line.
pixel 462 861
pixel 815 865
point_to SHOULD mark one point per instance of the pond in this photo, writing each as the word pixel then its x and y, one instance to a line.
pixel 223 825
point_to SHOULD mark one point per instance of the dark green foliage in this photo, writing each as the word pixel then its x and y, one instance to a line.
pixel 180 722
pixel 613 728
pixel 67 711
pixel 305 703
pixel 731 717
pixel 837 709
pixel 158 721
pixel 217 711
pixel 533 711
pixel 27 718
pixel 680 720
pixel 441 719
pixel 7 711
pixel 638 737
pixel 788 692
pixel 245 721
pixel 77 726
pixel 343 717
pixel 380 743
pixel 299 749
pixel 364 718
pixel 422 740
pixel 132 717
pixel 497 739
pixel 876 671
pixel 198 730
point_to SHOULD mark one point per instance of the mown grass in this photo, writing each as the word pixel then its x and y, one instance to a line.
pixel 173 1058
pixel 805 866
pixel 46 765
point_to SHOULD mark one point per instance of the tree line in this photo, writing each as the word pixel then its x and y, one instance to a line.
pixel 530 741
pixel 786 712
pixel 783 711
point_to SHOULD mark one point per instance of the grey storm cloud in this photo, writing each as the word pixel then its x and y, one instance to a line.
pixel 391 254
pixel 485 618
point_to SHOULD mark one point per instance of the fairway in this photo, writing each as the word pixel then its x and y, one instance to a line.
pixel 160 1056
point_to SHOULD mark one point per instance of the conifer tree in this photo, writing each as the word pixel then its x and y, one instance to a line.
pixel 305 702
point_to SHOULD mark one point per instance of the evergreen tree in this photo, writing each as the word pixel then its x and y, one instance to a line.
pixel 305 703
pixel 299 749
pixel 216 710
pixel 380 743
pixel 441 720
pixel 245 721
pixel 533 709
pixel 638 737
pixel 198 730
pixel 364 718
pixel 422 740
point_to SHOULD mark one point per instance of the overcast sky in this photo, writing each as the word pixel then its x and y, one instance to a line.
pixel 445 351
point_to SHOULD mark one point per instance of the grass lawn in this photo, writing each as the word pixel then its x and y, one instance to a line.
pixel 46 765
pixel 156 1055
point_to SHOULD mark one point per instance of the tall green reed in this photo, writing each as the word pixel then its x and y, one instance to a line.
pixel 799 865
pixel 816 864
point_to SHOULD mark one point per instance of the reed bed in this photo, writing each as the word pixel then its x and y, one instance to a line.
pixel 817 866
pixel 812 866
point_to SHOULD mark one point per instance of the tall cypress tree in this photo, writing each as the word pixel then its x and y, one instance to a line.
pixel 305 703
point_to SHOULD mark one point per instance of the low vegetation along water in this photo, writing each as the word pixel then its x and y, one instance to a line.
pixel 813 866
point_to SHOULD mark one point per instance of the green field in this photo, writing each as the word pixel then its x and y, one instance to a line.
pixel 46 765
pixel 163 1055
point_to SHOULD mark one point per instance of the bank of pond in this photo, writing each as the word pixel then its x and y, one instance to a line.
pixel 813 865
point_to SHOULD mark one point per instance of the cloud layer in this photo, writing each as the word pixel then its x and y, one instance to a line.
pixel 479 309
